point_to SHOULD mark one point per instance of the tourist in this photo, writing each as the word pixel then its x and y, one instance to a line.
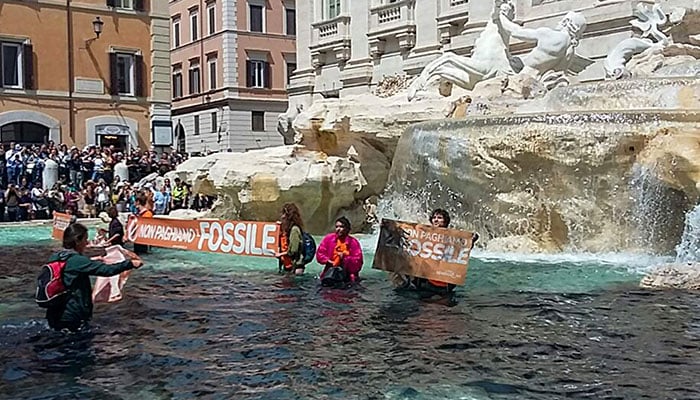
pixel 341 256
pixel 76 311
pixel 291 255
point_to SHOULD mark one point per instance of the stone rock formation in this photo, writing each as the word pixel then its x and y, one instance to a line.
pixel 254 185
pixel 673 276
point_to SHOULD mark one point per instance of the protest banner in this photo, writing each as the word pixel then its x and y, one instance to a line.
pixel 423 251
pixel 244 238
pixel 109 289
pixel 60 223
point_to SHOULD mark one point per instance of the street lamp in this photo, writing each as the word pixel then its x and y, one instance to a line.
pixel 97 26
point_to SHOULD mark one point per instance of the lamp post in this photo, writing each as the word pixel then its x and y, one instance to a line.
pixel 97 26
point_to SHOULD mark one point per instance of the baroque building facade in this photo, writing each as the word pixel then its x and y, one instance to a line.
pixel 346 47
pixel 93 72
pixel 230 63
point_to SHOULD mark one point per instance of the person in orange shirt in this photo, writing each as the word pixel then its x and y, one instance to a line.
pixel 144 211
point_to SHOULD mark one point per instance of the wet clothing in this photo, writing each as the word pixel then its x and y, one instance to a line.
pixel 77 309
pixel 328 254
pixel 292 244
pixel 116 228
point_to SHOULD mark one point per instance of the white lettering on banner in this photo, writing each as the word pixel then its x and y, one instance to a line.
pixel 166 233
pixel 437 252
pixel 268 239
pixel 237 238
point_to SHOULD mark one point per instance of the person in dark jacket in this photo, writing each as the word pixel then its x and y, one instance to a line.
pixel 77 309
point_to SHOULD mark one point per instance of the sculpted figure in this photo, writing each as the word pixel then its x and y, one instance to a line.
pixel 489 58
pixel 648 21
pixel 553 56
pixel 285 121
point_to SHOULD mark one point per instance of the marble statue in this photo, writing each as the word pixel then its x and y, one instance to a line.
pixel 285 121
pixel 649 20
pixel 553 57
pixel 489 58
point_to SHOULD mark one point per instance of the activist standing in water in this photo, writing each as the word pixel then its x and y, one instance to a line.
pixel 291 257
pixel 341 256
pixel 439 218
pixel 143 211
pixel 77 309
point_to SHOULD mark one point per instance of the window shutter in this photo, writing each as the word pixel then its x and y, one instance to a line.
pixel 1 79
pixel 111 3
pixel 250 74
pixel 138 5
pixel 138 76
pixel 28 59
pixel 113 78
pixel 268 75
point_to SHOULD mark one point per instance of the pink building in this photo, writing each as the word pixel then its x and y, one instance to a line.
pixel 231 62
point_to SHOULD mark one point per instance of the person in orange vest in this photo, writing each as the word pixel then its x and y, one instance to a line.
pixel 291 256
pixel 144 210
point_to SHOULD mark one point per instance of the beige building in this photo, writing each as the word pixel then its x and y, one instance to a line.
pixel 230 62
pixel 347 46
pixel 60 80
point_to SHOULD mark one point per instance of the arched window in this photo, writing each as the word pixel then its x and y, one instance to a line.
pixel 181 142
pixel 24 133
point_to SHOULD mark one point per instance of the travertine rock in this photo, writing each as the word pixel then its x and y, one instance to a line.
pixel 254 185
pixel 673 276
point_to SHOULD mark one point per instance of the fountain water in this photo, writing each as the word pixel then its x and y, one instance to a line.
pixel 689 248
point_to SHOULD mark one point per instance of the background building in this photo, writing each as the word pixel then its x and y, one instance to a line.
pixel 61 81
pixel 231 61
pixel 347 46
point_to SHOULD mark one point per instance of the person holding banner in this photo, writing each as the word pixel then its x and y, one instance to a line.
pixel 144 211
pixel 291 256
pixel 77 308
pixel 341 256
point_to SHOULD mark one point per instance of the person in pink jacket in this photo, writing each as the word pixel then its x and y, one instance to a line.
pixel 341 256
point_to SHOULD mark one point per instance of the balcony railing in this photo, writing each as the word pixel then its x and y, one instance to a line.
pixel 331 38
pixel 330 31
pixel 392 16
pixel 392 20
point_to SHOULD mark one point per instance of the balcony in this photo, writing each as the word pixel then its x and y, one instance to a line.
pixel 392 20
pixel 450 21
pixel 330 37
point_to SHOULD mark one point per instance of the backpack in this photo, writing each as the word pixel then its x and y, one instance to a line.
pixel 308 247
pixel 50 290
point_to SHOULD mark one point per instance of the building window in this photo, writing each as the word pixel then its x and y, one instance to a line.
pixel 212 73
pixel 258 121
pixel 196 124
pixel 194 24
pixel 332 8
pixel 214 124
pixel 258 74
pixel 194 77
pixel 211 17
pixel 291 20
pixel 176 32
pixel 257 20
pixel 12 65
pixel 126 74
pixel 177 84
pixel 125 4
pixel 290 70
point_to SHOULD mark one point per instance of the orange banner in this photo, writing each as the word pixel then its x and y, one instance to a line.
pixel 60 223
pixel 423 251
pixel 217 236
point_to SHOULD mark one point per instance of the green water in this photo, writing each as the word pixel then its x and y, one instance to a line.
pixel 214 326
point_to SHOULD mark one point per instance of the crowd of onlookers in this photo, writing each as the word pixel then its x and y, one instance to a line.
pixel 88 181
